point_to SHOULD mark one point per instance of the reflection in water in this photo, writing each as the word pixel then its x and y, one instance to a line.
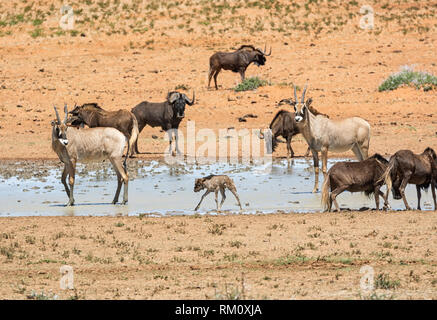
pixel 158 189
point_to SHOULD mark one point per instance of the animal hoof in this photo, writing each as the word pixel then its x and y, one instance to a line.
pixel 315 190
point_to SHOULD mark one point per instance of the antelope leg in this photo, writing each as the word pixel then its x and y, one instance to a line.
pixel 64 180
pixel 71 173
pixel 316 170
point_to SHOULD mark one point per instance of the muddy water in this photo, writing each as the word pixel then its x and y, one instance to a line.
pixel 35 189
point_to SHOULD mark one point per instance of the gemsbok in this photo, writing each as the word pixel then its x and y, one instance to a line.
pixel 323 135
pixel 89 144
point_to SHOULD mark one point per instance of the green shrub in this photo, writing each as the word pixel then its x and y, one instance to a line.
pixel 383 281
pixel 251 84
pixel 407 76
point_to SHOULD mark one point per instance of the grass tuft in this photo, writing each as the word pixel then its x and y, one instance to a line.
pixel 407 76
pixel 251 84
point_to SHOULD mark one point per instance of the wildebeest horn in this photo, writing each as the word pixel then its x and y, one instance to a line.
pixel 303 94
pixel 287 101
pixel 264 52
pixel 190 103
pixel 57 115
pixel 66 113
pixel 295 94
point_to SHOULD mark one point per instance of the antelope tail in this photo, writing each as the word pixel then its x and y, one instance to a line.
pixel 134 134
pixel 325 192
pixel 125 159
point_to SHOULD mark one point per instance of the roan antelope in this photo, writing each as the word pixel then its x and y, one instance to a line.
pixel 90 144
pixel 323 135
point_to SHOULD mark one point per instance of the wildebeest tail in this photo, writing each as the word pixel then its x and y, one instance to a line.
pixel 386 177
pixel 325 191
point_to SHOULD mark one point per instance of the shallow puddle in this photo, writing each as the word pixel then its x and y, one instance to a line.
pixel 155 188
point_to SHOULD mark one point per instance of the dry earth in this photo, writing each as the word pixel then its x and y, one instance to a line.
pixel 277 256
pixel 123 52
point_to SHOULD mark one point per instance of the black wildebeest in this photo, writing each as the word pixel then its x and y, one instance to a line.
pixel 284 124
pixel 167 115
pixel 406 167
pixel 93 115
pixel 236 61
pixel 362 176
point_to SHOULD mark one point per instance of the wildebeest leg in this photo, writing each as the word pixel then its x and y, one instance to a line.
pixel 204 195
pixel 316 170
pixel 242 75
pixel 215 78
pixel 334 195
pixel 177 139
pixel 222 191
pixel 381 194
pixel 377 194
pixel 71 173
pixel 404 183
pixel 170 140
pixel 140 128
pixel 419 195
pixel 64 180
pixel 211 72
pixel 290 152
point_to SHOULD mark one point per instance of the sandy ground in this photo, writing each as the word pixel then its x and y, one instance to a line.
pixel 118 59
pixel 277 256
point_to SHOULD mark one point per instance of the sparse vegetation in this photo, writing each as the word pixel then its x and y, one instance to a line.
pixel 408 77
pixel 383 281
pixel 250 84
